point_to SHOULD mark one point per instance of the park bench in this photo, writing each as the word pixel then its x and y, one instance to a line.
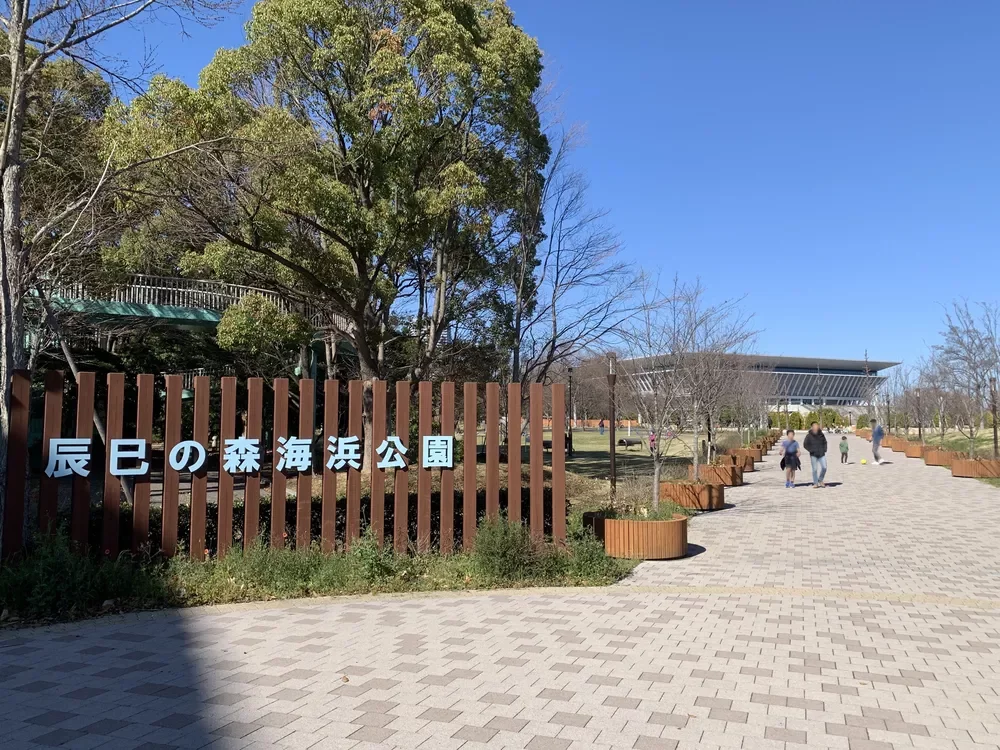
pixel 630 442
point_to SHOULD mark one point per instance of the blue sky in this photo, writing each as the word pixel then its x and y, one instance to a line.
pixel 836 162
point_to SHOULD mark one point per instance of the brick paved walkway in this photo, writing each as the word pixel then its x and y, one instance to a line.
pixel 863 617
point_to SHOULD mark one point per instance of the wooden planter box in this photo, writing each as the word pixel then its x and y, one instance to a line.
pixel 757 454
pixel 939 457
pixel 741 461
pixel 730 476
pixel 696 496
pixel 978 468
pixel 914 450
pixel 643 540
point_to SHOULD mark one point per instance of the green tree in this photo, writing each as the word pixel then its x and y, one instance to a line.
pixel 54 201
pixel 263 339
pixel 362 152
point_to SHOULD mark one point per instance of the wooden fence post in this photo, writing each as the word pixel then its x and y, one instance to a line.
pixel 536 395
pixel 199 478
pixel 251 487
pixel 379 401
pixel 401 478
pixel 17 463
pixel 328 523
pixel 559 462
pixel 48 487
pixel 303 489
pixel 279 483
pixel 492 450
pixel 426 405
pixel 469 504
pixel 80 513
pixel 171 478
pixel 355 392
pixel 447 543
pixel 514 452
pixel 227 431
pixel 112 484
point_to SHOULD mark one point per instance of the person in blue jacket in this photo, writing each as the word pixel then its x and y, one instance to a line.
pixel 877 434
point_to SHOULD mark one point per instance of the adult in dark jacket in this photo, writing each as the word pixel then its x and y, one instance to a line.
pixel 877 434
pixel 815 445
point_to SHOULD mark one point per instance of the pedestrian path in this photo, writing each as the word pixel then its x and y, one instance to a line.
pixel 865 616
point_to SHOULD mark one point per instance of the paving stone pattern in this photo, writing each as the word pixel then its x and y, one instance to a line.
pixel 861 617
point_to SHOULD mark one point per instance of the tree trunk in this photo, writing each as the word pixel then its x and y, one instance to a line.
pixel 697 448
pixel 12 261
pixel 657 462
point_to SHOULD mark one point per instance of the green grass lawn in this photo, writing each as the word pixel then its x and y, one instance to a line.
pixel 592 454
pixel 954 440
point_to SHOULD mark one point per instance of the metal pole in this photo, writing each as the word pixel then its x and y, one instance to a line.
pixel 572 412
pixel 612 376
pixel 920 421
pixel 993 408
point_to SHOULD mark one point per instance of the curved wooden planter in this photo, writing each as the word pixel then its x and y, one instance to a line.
pixel 978 468
pixel 695 496
pixel 643 540
pixel 938 457
pixel 914 450
pixel 730 476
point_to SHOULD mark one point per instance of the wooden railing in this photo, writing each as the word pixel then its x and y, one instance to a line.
pixel 196 294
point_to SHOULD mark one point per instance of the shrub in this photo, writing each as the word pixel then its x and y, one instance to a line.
pixel 52 581
pixel 376 565
pixel 863 422
pixel 503 551
pixel 587 559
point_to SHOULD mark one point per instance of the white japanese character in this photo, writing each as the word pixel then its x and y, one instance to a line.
pixel 345 451
pixel 68 456
pixel 438 451
pixel 128 449
pixel 391 452
pixel 296 454
pixel 241 455
pixel 180 456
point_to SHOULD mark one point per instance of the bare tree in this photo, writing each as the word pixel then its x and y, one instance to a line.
pixel 567 289
pixel 682 364
pixel 969 351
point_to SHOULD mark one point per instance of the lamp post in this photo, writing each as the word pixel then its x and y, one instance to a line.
pixel 993 408
pixel 920 420
pixel 612 376
pixel 572 412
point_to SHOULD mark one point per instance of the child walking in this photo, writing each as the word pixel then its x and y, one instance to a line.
pixel 790 458
pixel 843 449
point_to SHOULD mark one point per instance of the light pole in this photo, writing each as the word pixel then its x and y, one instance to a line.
pixel 572 412
pixel 612 376
pixel 993 408
pixel 920 421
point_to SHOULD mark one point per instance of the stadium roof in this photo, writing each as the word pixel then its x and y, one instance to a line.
pixel 804 380
pixel 805 364
pixel 818 363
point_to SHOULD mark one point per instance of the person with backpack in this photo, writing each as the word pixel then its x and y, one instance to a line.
pixel 815 445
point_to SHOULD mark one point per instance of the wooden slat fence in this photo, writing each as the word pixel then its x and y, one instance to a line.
pixel 328 426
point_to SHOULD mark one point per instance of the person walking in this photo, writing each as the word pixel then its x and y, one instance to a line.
pixel 790 457
pixel 844 447
pixel 815 445
pixel 652 442
pixel 877 434
pixel 600 427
